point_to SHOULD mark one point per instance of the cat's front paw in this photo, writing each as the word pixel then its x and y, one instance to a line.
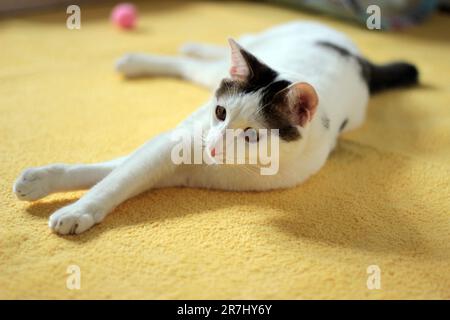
pixel 34 183
pixel 75 218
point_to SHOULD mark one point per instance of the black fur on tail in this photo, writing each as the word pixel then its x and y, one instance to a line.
pixel 379 77
pixel 391 75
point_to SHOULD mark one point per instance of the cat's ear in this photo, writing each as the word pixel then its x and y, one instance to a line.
pixel 300 101
pixel 239 70
pixel 245 67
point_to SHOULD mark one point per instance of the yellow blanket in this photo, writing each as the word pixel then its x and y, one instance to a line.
pixel 381 200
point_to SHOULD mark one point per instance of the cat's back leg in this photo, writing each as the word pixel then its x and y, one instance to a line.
pixel 203 51
pixel 207 73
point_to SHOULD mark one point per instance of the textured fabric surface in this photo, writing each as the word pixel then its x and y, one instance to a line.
pixel 381 199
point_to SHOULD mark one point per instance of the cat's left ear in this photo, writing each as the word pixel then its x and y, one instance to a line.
pixel 245 67
pixel 300 103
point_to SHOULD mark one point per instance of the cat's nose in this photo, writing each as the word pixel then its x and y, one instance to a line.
pixel 213 152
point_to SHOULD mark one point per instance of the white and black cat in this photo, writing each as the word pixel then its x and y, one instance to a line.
pixel 304 79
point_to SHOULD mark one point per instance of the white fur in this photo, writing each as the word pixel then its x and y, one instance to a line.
pixel 289 49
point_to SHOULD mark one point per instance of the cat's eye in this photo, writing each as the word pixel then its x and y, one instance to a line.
pixel 251 135
pixel 221 113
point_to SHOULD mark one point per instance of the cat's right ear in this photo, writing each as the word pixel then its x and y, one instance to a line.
pixel 240 69
pixel 298 102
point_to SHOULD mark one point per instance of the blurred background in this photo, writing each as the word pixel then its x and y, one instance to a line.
pixel 396 13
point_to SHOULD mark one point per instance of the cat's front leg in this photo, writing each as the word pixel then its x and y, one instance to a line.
pixel 141 171
pixel 35 183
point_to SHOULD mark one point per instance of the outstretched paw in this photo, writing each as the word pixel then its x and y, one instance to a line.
pixel 34 183
pixel 74 219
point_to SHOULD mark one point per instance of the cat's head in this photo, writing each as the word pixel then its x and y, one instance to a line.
pixel 254 97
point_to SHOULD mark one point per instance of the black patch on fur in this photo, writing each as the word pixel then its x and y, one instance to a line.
pixel 380 77
pixel 273 113
pixel 289 133
pixel 342 51
pixel 343 125
pixel 365 69
pixel 364 64
pixel 260 74
pixel 275 118
pixel 269 92
pixel 325 122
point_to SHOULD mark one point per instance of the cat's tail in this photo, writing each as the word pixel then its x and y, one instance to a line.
pixel 391 75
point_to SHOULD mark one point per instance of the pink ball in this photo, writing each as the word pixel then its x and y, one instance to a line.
pixel 124 15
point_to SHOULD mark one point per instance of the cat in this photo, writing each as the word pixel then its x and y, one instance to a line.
pixel 306 81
